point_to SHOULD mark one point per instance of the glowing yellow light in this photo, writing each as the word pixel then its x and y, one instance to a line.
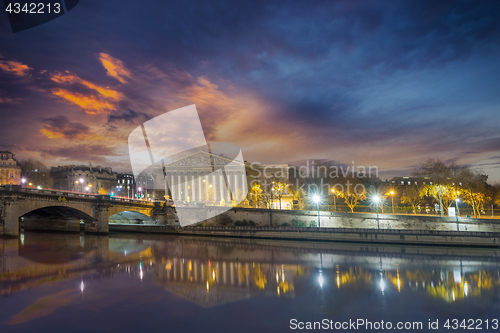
pixel 213 275
pixel 190 265
pixel 338 281
pixel 208 287
pixel 278 290
pixel 277 277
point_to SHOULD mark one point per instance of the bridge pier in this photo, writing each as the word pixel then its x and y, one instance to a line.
pixel 9 216
pixel 165 215
pixel 101 224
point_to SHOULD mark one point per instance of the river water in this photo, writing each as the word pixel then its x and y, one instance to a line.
pixel 147 283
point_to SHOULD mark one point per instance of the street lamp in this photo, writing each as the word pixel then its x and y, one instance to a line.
pixel 334 200
pixel 81 184
pixel 376 199
pixel 23 180
pixel 456 214
pixel 317 199
pixel 140 194
pixel 392 198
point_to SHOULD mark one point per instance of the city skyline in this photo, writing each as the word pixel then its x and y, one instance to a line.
pixel 364 82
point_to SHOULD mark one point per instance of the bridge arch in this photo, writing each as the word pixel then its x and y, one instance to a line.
pixel 58 218
pixel 131 217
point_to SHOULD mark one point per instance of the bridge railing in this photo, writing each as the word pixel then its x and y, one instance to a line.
pixel 67 194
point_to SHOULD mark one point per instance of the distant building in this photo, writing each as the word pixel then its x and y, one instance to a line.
pixel 81 178
pixel 409 181
pixel 10 172
pixel 125 185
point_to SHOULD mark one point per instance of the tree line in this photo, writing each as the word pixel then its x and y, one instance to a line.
pixel 432 182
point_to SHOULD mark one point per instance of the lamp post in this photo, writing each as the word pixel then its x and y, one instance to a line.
pixel 392 198
pixel 140 194
pixel 376 199
pixel 334 200
pixel 317 199
pixel 23 180
pixel 456 214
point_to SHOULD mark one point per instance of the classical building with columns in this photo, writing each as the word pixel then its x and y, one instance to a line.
pixel 10 172
pixel 208 178
pixel 204 177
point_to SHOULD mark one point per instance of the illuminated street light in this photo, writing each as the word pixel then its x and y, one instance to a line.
pixel 456 214
pixel 392 198
pixel 81 184
pixel 317 199
pixel 334 201
pixel 376 199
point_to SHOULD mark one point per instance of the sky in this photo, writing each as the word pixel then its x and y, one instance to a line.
pixel 386 84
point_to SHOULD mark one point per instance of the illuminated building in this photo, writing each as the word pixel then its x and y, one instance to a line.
pixel 10 172
pixel 81 178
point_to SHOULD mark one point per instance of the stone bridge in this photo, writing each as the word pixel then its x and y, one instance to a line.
pixel 48 209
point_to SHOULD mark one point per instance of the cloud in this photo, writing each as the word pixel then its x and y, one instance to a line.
pixel 60 127
pixel 114 67
pixel 91 104
pixel 128 116
pixel 14 67
pixel 8 100
pixel 91 97
pixel 81 152
pixel 69 78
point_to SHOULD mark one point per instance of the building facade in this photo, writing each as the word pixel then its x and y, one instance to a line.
pixel 10 172
pixel 81 178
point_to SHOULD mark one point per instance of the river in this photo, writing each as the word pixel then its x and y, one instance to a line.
pixel 54 282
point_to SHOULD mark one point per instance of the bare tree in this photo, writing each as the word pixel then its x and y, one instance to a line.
pixel 474 188
pixel 412 196
pixel 439 177
pixel 36 173
pixel 353 192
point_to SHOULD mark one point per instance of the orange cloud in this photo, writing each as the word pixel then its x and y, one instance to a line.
pixel 59 135
pixel 91 104
pixel 50 134
pixel 207 93
pixel 70 78
pixel 14 67
pixel 114 67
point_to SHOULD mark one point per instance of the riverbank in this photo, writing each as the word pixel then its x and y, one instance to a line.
pixel 357 235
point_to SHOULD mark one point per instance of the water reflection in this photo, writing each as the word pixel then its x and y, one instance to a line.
pixel 325 277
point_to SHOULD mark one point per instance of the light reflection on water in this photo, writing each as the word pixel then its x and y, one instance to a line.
pixel 218 284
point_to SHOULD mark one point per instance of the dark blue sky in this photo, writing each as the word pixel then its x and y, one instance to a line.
pixel 378 83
